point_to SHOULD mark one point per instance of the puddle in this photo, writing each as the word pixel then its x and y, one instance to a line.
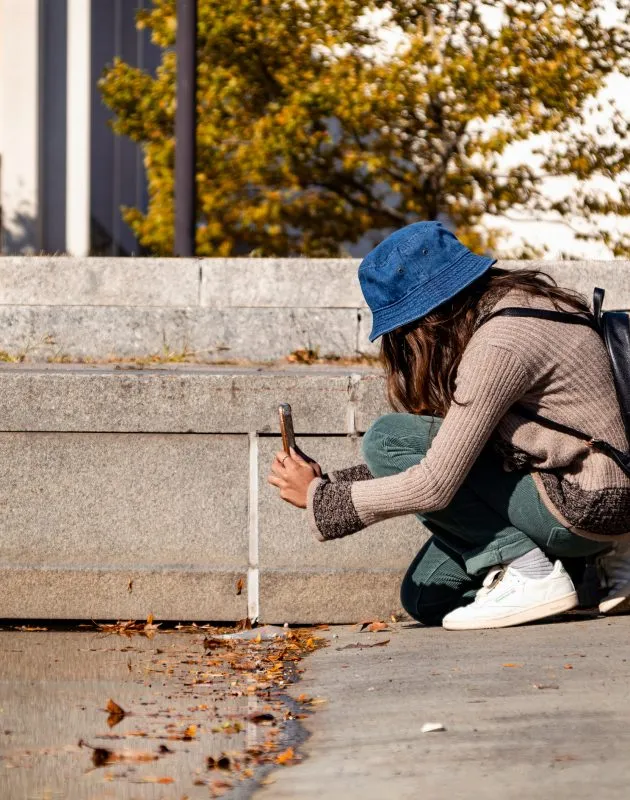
pixel 185 705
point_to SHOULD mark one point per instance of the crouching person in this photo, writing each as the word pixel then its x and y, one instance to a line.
pixel 504 496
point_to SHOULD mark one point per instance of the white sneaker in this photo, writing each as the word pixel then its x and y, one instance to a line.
pixel 510 598
pixel 614 569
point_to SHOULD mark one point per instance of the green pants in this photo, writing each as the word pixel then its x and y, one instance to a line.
pixel 494 517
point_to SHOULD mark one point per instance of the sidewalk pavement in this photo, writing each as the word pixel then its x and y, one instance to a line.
pixel 536 711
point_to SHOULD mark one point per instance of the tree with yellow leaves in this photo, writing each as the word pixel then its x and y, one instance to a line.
pixel 312 131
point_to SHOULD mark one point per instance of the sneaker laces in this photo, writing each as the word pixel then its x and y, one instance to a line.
pixel 494 576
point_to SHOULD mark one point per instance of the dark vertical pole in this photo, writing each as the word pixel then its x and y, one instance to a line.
pixel 185 128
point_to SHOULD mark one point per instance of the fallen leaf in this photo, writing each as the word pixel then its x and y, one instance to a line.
pixel 130 586
pixel 361 645
pixel 102 756
pixel 189 733
pixel 260 718
pixel 286 757
pixel 219 787
pixel 514 666
pixel 244 624
pixel 222 762
pixel 156 779
pixel 373 626
pixel 546 686
pixel 239 585
pixel 129 628
pixel 568 666
pixel 116 713
pixel 29 628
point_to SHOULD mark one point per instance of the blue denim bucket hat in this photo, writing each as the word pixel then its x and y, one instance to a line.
pixel 413 271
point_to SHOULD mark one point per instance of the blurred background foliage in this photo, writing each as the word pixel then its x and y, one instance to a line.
pixel 315 129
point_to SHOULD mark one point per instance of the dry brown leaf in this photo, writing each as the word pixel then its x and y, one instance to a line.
pixel 129 628
pixel 514 666
pixel 240 583
pixel 210 642
pixel 189 733
pixel 361 645
pixel 130 586
pixel 258 719
pixel 372 625
pixel 219 787
pixel 102 756
pixel 29 628
pixel 156 779
pixel 222 762
pixel 376 626
pixel 287 757
pixel 116 713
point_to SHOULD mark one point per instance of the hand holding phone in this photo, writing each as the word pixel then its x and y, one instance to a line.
pixel 292 470
pixel 288 436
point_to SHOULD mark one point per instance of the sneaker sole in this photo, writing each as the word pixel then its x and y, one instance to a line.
pixel 565 603
pixel 617 604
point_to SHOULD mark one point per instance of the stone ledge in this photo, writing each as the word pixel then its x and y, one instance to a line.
pixel 65 281
pixel 187 399
pixel 216 308
pixel 333 596
pixel 98 593
pixel 128 492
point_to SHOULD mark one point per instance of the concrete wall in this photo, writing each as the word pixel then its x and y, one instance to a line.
pixel 124 492
pixel 217 309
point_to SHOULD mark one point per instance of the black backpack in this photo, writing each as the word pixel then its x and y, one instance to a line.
pixel 614 329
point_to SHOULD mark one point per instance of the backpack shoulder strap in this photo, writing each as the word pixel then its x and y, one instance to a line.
pixel 573 318
pixel 619 457
pixel 523 411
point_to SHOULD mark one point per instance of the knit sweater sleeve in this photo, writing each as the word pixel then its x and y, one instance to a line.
pixel 489 380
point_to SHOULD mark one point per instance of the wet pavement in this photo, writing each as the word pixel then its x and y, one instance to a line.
pixel 186 703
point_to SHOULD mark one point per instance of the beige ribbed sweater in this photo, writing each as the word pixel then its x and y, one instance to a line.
pixel 560 371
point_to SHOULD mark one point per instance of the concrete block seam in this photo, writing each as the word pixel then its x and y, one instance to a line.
pixel 354 379
pixel 127 569
pixel 253 594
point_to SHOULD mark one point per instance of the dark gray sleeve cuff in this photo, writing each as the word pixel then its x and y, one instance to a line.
pixel 331 511
pixel 358 473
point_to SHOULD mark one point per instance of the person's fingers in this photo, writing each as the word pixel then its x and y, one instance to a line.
pixel 281 457
pixel 298 456
pixel 274 480
pixel 279 469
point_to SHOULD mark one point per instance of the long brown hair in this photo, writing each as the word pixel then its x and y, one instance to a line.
pixel 421 358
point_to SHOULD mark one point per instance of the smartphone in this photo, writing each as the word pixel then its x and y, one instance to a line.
pixel 286 427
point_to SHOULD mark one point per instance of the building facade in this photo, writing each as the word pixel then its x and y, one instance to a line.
pixel 63 174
